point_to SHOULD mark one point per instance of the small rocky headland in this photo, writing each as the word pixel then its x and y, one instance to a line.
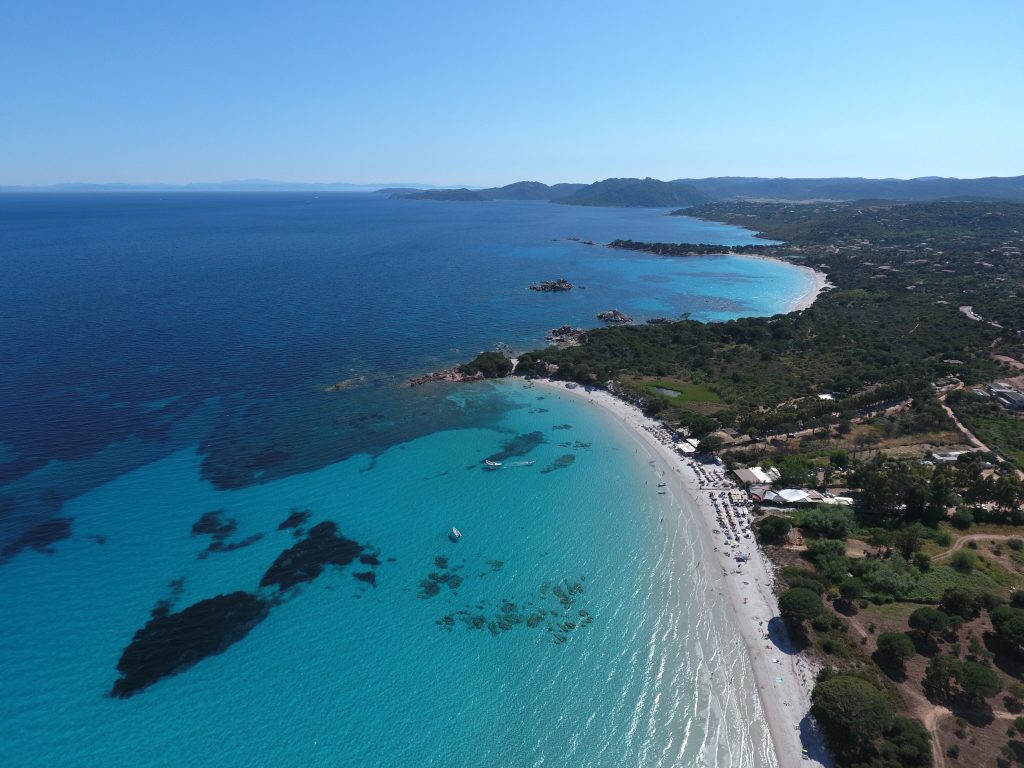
pixel 614 316
pixel 565 336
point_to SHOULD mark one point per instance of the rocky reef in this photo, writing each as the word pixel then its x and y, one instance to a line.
pixel 614 316
pixel 552 286
pixel 322 546
pixel 520 445
pixel 39 537
pixel 553 610
pixel 172 642
pixel 561 462
pixel 340 386
pixel 219 529
pixel 295 520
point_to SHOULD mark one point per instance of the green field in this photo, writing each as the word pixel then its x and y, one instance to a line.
pixel 688 393
pixel 931 585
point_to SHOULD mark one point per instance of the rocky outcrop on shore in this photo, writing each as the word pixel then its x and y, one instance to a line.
pixel 565 336
pixel 448 374
pixel 552 286
pixel 614 316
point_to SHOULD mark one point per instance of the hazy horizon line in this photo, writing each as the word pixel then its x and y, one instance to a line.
pixel 370 186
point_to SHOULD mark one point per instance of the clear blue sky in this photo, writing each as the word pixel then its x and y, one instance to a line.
pixel 488 93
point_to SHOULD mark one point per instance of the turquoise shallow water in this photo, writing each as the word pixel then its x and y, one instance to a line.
pixel 343 674
pixel 166 357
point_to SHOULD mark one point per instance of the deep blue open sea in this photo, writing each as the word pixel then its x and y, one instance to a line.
pixel 177 486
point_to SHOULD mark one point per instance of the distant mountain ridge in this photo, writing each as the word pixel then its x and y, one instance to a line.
pixel 622 192
pixel 637 193
pixel 904 190
pixel 519 190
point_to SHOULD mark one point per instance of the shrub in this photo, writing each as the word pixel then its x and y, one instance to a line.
pixel 812 584
pixel 896 646
pixel 1009 624
pixel 961 602
pixel 827 522
pixel 977 681
pixel 962 518
pixel 852 713
pixel 929 620
pixel 964 562
pixel 800 603
pixel 772 529
pixel 851 589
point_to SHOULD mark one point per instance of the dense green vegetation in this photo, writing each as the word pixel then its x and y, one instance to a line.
pixel 684 392
pixel 738 187
pixel 861 728
pixel 892 348
pixel 891 326
pixel 991 424
pixel 491 365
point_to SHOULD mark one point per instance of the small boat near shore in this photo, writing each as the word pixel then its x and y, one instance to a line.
pixel 455 534
pixel 492 464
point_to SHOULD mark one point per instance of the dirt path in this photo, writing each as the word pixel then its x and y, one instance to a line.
pixel 963 540
pixel 963 430
pixel 928 713
pixel 1009 361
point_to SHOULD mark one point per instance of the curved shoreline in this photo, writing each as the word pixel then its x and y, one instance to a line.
pixel 818 280
pixel 819 283
pixel 784 679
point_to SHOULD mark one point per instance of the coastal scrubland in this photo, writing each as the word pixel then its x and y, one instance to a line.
pixel 880 391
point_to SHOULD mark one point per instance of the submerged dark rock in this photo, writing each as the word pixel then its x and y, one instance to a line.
pixel 220 546
pixel 214 524
pixel 172 642
pixel 560 463
pixel 306 560
pixel 520 445
pixel 39 537
pixel 295 519
pixel 368 577
pixel 219 528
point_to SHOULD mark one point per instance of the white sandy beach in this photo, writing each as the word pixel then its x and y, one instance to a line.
pixel 784 679
pixel 819 282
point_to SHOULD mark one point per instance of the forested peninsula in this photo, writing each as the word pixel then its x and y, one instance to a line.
pixel 628 193
pixel 900 389
pixel 653 193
